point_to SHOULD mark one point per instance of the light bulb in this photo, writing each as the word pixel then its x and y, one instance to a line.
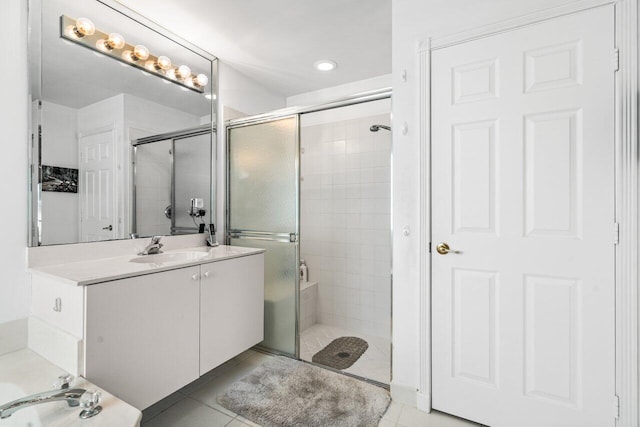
pixel 115 41
pixel 183 72
pixel 140 53
pixel 325 65
pixel 102 45
pixel 171 73
pixel 84 27
pixel 201 80
pixel 163 63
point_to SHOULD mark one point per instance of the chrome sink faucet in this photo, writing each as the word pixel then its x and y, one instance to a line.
pixel 89 400
pixel 153 247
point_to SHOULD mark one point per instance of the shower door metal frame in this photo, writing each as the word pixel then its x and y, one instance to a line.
pixel 360 98
pixel 173 137
pixel 260 235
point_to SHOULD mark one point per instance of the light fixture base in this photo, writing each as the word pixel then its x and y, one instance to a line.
pixel 123 52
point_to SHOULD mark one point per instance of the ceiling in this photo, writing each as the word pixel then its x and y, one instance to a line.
pixel 276 42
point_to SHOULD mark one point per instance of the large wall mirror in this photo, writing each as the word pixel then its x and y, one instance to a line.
pixel 123 126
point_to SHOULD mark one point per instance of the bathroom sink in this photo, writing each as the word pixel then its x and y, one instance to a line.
pixel 170 257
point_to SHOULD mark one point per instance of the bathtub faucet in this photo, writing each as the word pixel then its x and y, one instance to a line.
pixel 88 400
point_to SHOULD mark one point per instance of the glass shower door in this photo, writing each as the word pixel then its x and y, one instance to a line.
pixel 263 212
pixel 191 180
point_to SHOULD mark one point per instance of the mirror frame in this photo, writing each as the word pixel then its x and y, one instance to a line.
pixel 34 18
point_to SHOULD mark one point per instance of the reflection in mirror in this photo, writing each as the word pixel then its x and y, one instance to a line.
pixel 171 173
pixel 118 140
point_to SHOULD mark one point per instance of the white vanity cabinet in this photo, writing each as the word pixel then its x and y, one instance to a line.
pixel 144 334
pixel 231 309
pixel 142 338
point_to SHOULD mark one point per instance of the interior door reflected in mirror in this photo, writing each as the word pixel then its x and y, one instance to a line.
pixel 122 127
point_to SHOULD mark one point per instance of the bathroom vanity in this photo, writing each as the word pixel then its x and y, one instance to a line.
pixel 143 327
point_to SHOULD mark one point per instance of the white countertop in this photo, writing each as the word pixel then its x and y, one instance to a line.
pixel 106 269
pixel 23 373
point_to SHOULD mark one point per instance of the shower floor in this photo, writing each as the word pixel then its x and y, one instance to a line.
pixel 374 364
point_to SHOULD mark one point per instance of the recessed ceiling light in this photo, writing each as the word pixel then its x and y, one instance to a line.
pixel 325 65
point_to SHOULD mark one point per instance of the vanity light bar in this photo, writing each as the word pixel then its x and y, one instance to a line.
pixel 83 32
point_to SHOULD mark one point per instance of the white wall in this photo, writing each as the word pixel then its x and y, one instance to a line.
pixel 346 216
pixel 14 112
pixel 59 135
pixel 241 96
pixel 60 211
pixel 241 93
pixel 336 92
pixel 412 21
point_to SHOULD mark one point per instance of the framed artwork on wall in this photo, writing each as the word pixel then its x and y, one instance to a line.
pixel 62 180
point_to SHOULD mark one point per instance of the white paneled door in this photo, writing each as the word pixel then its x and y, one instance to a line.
pixel 96 186
pixel 523 195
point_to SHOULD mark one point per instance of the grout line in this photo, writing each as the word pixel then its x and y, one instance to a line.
pixel 215 409
pixel 143 421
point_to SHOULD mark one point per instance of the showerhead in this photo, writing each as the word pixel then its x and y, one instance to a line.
pixel 376 128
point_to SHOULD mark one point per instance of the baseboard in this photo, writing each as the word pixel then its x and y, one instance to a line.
pixel 404 394
pixel 55 345
pixel 424 401
pixel 13 336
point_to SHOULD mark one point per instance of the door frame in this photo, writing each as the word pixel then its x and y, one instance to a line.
pixel 626 193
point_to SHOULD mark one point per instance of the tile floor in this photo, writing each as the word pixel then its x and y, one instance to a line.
pixel 375 363
pixel 196 404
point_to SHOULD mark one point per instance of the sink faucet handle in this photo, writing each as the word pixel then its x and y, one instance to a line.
pixel 156 239
pixel 89 401
pixel 63 381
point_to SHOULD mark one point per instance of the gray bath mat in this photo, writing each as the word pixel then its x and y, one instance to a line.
pixel 284 392
pixel 341 353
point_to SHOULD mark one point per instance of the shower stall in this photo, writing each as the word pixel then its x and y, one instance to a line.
pixel 172 182
pixel 312 186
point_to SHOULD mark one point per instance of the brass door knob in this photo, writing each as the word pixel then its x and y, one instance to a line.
pixel 442 248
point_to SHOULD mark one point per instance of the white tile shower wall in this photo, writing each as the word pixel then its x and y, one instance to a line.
pixel 345 222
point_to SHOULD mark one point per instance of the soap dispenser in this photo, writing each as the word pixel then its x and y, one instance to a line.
pixel 303 271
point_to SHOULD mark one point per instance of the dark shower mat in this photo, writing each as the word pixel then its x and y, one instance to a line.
pixel 341 353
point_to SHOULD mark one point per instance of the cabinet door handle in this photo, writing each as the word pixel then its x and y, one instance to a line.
pixel 195 276
pixel 206 274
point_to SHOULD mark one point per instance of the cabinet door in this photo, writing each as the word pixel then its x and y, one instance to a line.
pixel 231 309
pixel 142 335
